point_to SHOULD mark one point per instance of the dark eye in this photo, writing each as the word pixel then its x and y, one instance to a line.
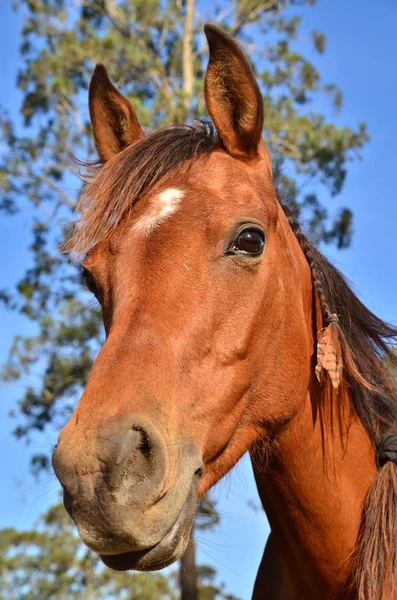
pixel 89 281
pixel 249 242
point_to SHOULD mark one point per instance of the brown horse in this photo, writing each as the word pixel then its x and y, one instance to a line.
pixel 220 318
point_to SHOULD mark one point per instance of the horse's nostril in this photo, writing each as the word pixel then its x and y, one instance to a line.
pixel 135 460
pixel 144 444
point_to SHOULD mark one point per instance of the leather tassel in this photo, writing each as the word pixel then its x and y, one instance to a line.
pixel 329 353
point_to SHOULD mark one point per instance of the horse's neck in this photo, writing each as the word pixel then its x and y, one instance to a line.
pixel 313 494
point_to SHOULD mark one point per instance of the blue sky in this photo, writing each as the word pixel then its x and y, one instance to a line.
pixel 361 59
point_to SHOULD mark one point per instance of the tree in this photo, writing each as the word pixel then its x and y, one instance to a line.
pixel 155 51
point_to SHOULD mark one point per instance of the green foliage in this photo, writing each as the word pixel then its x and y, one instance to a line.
pixel 140 41
pixel 207 588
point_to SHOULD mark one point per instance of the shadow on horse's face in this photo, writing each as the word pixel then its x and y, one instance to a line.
pixel 198 286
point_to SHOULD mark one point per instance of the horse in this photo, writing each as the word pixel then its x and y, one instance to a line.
pixel 227 331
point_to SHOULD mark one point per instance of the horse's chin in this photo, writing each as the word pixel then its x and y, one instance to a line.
pixel 159 556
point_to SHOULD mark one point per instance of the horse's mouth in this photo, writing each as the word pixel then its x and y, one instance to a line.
pixel 159 556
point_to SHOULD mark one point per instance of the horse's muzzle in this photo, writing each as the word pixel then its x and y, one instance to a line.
pixel 132 497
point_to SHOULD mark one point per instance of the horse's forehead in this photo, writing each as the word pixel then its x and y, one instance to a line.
pixel 214 184
pixel 224 177
pixel 211 185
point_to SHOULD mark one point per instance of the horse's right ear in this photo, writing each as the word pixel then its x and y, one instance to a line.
pixel 113 119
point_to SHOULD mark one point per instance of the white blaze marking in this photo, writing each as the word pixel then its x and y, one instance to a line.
pixel 161 207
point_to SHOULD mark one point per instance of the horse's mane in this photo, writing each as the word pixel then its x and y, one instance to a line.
pixel 366 339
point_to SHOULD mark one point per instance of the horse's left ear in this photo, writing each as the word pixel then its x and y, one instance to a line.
pixel 232 96
pixel 113 118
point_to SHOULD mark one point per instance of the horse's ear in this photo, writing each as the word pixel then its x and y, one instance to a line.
pixel 114 121
pixel 232 95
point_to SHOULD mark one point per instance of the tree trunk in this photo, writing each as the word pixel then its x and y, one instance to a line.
pixel 188 75
pixel 187 572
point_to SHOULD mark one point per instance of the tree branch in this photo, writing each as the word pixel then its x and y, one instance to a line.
pixel 251 17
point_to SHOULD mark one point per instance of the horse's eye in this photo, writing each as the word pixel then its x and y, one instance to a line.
pixel 249 242
pixel 89 281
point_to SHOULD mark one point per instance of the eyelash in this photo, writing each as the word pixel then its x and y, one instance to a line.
pixel 88 280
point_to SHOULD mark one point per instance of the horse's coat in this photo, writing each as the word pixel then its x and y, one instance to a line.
pixel 212 323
